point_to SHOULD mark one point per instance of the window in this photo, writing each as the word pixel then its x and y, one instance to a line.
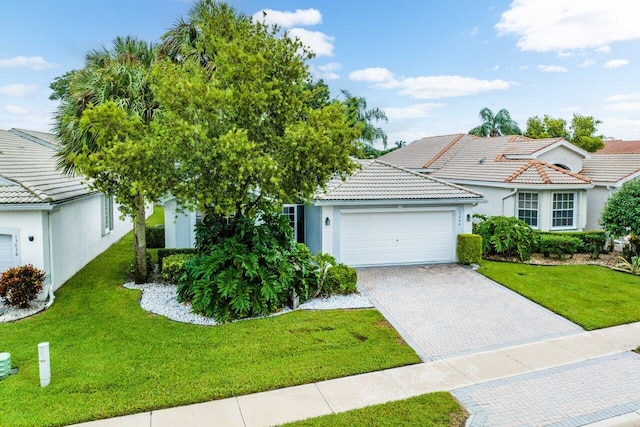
pixel 289 211
pixel 528 208
pixel 563 210
pixel 107 214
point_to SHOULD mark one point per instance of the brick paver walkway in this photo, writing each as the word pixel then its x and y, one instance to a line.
pixel 448 310
pixel 570 395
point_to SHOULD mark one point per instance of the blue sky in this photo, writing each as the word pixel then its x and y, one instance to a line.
pixel 431 65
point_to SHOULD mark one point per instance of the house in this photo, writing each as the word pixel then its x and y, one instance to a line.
pixel 380 215
pixel 550 184
pixel 47 218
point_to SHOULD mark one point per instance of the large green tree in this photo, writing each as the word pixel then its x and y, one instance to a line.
pixel 495 125
pixel 365 119
pixel 103 122
pixel 621 213
pixel 253 128
pixel 581 132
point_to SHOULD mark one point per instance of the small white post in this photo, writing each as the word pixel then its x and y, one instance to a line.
pixel 45 367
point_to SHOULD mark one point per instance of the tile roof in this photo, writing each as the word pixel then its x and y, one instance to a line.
pixel 471 158
pixel 47 139
pixel 28 173
pixel 378 180
pixel 611 168
pixel 620 147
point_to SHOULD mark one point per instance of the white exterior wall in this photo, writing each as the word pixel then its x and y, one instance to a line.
pixel 27 223
pixel 597 197
pixel 321 237
pixel 179 227
pixel 77 235
pixel 499 201
pixel 563 156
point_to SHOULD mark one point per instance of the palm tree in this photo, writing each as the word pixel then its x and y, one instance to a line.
pixel 119 74
pixel 500 124
pixel 358 114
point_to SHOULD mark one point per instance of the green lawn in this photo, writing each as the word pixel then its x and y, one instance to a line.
pixel 109 357
pixel 427 410
pixel 593 297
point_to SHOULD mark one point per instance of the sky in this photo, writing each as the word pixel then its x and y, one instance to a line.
pixel 430 65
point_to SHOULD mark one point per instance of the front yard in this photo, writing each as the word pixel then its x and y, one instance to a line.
pixel 109 357
pixel 591 296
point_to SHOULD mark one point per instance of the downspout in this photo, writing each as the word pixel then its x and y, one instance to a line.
pixel 513 193
pixel 50 233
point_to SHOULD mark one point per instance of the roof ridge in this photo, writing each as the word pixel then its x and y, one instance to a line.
pixel 541 172
pixel 540 165
pixel 427 177
pixel 567 172
pixel 519 172
pixel 444 150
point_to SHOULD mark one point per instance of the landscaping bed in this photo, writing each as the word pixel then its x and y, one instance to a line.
pixel 604 259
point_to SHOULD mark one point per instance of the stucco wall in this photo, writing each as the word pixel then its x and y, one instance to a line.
pixel 28 223
pixel 596 199
pixel 563 156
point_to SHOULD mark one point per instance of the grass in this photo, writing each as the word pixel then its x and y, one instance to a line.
pixel 109 357
pixel 594 297
pixel 427 410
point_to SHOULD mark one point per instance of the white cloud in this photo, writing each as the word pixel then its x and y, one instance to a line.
pixel 319 43
pixel 586 63
pixel 620 128
pixel 552 68
pixel 564 54
pixel 523 67
pixel 603 49
pixel 288 19
pixel 615 63
pixel 326 71
pixel 14 109
pixel 623 97
pixel 415 111
pixel 18 90
pixel 624 106
pixel 494 68
pixel 372 75
pixel 474 32
pixel 558 25
pixel 33 62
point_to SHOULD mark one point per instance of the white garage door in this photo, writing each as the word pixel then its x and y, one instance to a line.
pixel 6 254
pixel 378 238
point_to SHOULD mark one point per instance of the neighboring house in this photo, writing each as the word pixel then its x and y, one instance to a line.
pixel 47 218
pixel 380 215
pixel 549 183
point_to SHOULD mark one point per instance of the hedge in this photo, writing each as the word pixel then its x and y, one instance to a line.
pixel 165 252
pixel 155 236
pixel 469 249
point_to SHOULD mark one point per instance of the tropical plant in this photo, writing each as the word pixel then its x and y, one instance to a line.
pixel 364 119
pixel 495 125
pixel 103 124
pixel 341 280
pixel 506 236
pixel 632 266
pixel 21 285
pixel 324 263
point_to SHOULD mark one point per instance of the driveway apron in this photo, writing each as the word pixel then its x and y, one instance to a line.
pixel 447 310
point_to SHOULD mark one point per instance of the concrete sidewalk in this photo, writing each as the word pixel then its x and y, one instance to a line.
pixel 488 370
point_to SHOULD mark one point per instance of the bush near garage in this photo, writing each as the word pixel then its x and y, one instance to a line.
pixel 21 285
pixel 469 249
pixel 506 236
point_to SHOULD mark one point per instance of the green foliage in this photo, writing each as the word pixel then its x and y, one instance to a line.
pixel 506 236
pixel 362 119
pixel 581 132
pixel 165 252
pixel 469 249
pixel 428 410
pixel 591 242
pixel 632 266
pixel 621 213
pixel 155 236
pixel 240 99
pixel 341 279
pixel 173 267
pixel 246 267
pixel 21 285
pixel 558 245
pixel 500 124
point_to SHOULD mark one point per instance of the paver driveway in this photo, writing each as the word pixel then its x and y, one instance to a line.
pixel 448 310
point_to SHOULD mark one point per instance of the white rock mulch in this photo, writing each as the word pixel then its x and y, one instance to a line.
pixel 160 298
pixel 10 314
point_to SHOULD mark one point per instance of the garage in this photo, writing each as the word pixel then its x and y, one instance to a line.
pixel 387 215
pixel 6 253
pixel 398 236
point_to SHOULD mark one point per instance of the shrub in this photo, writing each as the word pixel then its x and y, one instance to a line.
pixel 625 265
pixel 21 285
pixel 155 236
pixel 246 266
pixel 469 249
pixel 165 252
pixel 324 263
pixel 341 279
pixel 507 236
pixel 591 242
pixel 558 245
pixel 174 267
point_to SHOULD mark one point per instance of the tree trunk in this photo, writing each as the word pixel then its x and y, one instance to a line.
pixel 140 245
